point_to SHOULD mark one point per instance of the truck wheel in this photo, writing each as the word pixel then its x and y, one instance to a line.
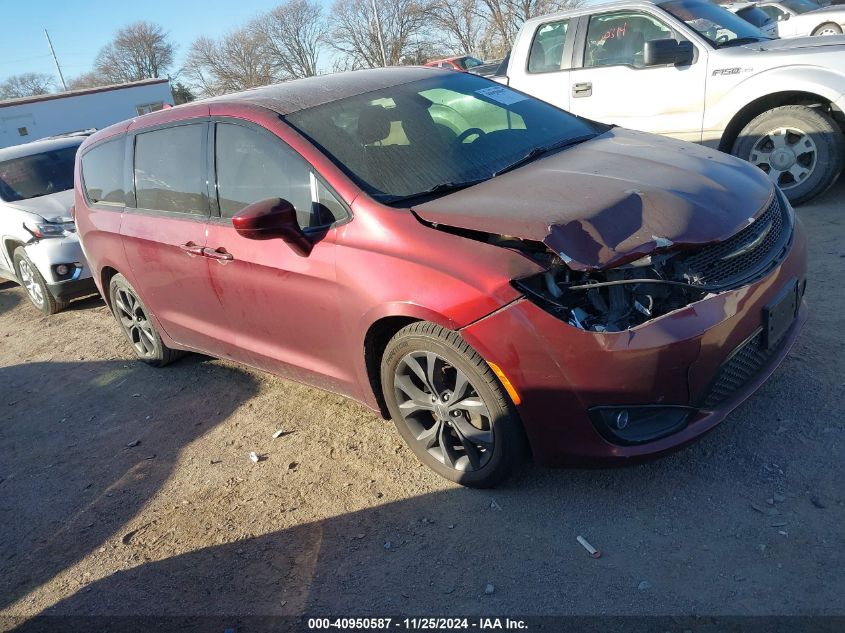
pixel 34 284
pixel 802 149
pixel 449 406
pixel 137 324
pixel 828 28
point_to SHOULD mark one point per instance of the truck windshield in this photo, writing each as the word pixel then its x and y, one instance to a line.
pixel 37 175
pixel 718 25
pixel 434 135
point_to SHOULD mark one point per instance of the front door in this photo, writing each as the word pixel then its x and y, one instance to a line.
pixel 612 85
pixel 165 232
pixel 283 305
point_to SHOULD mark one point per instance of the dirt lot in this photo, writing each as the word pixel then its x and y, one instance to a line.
pixel 340 519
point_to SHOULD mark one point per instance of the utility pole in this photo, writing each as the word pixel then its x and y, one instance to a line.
pixel 378 32
pixel 55 59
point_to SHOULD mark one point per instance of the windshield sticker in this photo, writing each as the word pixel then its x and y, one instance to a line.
pixel 502 95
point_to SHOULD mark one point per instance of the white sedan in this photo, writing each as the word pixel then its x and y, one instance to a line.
pixel 797 18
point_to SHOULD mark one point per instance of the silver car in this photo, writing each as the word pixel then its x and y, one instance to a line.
pixel 40 248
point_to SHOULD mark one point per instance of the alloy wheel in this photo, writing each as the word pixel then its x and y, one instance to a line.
pixel 135 322
pixel 828 30
pixel 787 155
pixel 33 288
pixel 443 411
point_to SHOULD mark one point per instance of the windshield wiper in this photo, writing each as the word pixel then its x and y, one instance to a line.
pixel 536 152
pixel 440 188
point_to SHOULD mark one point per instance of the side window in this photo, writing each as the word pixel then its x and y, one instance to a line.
pixel 102 173
pixel 547 48
pixel 772 11
pixel 253 166
pixel 170 170
pixel 619 38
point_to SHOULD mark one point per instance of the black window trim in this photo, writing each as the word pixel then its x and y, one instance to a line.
pixel 103 205
pixel 584 25
pixel 131 138
pixel 568 43
pixel 213 186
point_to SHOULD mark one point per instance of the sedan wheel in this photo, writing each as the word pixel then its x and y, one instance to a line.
pixel 33 288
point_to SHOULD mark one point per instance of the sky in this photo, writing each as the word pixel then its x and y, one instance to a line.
pixel 79 28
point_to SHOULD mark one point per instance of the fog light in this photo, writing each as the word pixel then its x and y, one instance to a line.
pixel 62 270
pixel 638 424
pixel 622 419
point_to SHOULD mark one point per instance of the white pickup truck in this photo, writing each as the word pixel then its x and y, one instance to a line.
pixel 695 71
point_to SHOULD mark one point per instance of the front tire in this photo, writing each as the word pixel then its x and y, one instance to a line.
pixel 137 324
pixel 801 149
pixel 36 288
pixel 828 28
pixel 449 407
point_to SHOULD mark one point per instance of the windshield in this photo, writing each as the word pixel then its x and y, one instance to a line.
pixel 718 25
pixel 37 175
pixel 800 6
pixel 755 16
pixel 469 62
pixel 435 133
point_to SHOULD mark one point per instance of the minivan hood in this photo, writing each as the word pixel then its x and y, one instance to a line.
pixel 613 199
pixel 53 208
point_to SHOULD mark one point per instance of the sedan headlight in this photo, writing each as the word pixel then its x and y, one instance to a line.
pixel 47 229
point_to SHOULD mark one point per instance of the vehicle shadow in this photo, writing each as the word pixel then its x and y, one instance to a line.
pixel 8 300
pixel 86 303
pixel 104 448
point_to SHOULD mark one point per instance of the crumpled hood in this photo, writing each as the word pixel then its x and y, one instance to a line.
pixel 613 199
pixel 53 208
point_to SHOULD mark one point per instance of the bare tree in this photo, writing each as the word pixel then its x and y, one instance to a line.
pixel 293 33
pixel 87 80
pixel 141 50
pixel 26 85
pixel 504 17
pixel 461 23
pixel 237 62
pixel 404 24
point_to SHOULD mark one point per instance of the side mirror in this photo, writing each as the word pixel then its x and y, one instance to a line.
pixel 270 218
pixel 665 52
pixel 783 17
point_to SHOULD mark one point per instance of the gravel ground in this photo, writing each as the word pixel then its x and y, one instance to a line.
pixel 128 490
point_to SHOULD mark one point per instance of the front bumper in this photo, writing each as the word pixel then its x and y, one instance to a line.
pixel 46 254
pixel 560 372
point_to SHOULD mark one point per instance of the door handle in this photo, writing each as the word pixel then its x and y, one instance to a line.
pixel 191 249
pixel 583 89
pixel 220 254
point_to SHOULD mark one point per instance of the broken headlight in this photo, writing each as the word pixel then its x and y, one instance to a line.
pixel 616 299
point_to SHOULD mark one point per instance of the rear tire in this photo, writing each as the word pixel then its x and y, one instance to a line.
pixel 137 324
pixel 801 148
pixel 449 407
pixel 36 288
pixel 828 28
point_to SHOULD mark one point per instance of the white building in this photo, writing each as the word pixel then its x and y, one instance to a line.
pixel 30 118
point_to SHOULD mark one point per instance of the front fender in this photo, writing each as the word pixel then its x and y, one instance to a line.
pixel 724 101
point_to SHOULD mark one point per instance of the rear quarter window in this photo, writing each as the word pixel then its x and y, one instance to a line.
pixel 102 173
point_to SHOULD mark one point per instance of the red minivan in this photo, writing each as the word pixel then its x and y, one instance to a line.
pixel 476 264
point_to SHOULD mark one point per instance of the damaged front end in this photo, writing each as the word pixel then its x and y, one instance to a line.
pixel 671 277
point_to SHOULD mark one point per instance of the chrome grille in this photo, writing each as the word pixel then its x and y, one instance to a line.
pixel 721 262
